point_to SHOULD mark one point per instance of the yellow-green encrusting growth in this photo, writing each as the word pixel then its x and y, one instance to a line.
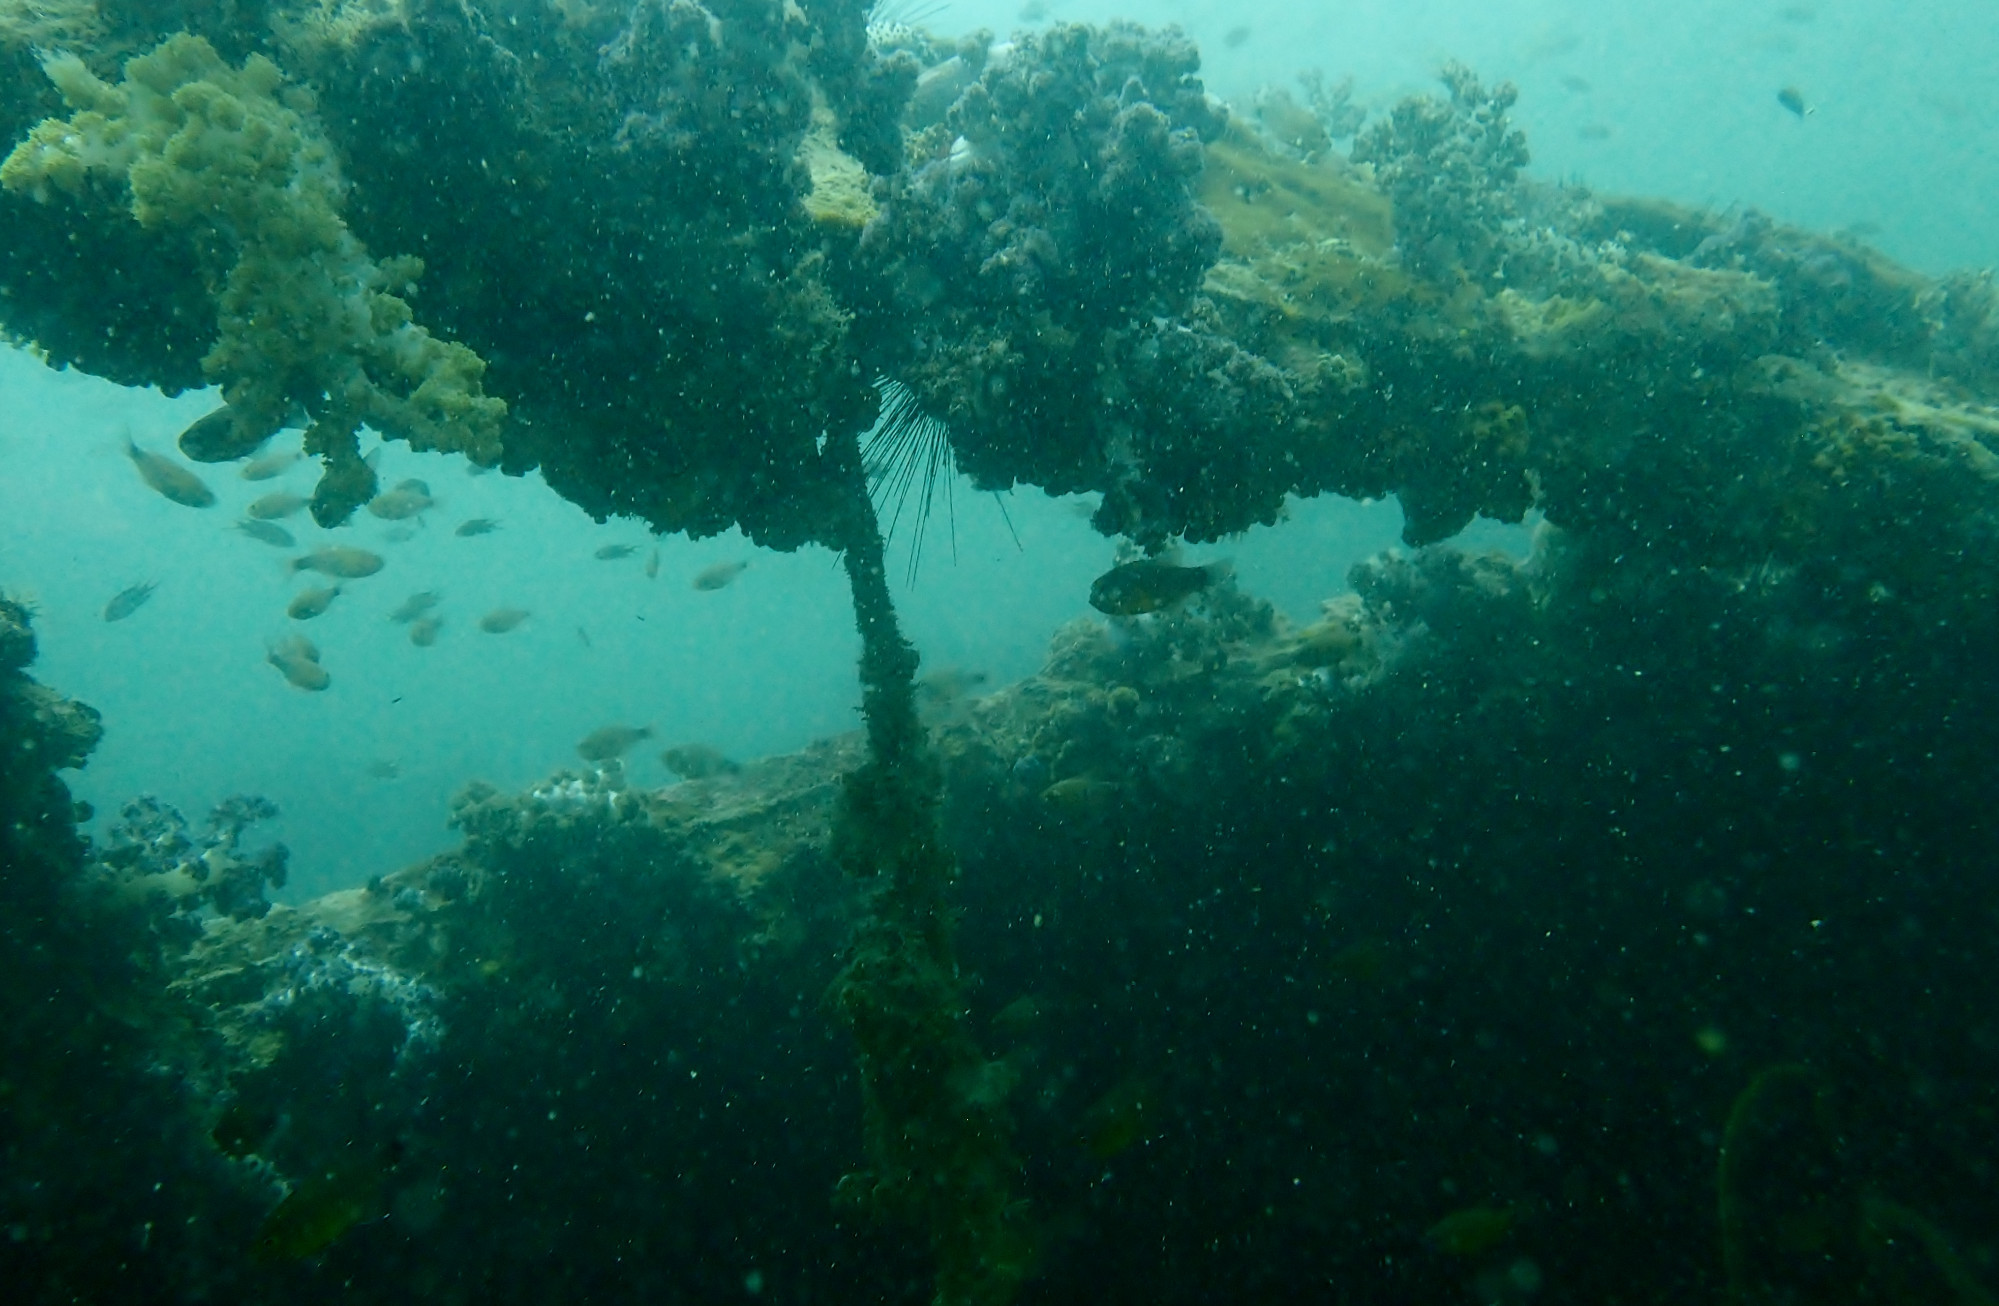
pixel 232 159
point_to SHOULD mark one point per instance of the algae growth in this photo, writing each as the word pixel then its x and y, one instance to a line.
pixel 302 316
pixel 1419 950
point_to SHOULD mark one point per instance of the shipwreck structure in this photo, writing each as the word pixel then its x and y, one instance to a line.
pixel 1468 941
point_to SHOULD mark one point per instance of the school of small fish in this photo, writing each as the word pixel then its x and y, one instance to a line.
pixel 231 435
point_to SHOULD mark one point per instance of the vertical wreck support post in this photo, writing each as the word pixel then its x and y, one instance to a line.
pixel 936 1131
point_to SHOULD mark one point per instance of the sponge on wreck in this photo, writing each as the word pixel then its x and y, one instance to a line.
pixel 231 158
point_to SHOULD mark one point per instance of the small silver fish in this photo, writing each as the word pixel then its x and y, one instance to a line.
pixel 415 606
pixel 612 552
pixel 339 560
pixel 309 603
pixel 652 566
pixel 267 532
pixel 1794 99
pixel 169 479
pixel 278 503
pixel 406 500
pixel 129 600
pixel 423 631
pixel 269 464
pixel 297 658
pixel 501 620
pixel 477 526
pixel 719 576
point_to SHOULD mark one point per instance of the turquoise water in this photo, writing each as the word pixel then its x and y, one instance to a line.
pixel 1606 921
pixel 765 665
pixel 1658 97
pixel 1676 101
pixel 1672 100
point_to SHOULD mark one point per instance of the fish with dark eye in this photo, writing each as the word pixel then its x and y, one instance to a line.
pixel 612 552
pixel 340 561
pixel 405 501
pixel 501 620
pixel 476 526
pixel 1148 585
pixel 129 600
pixel 719 576
pixel 267 532
pixel 273 506
pixel 169 479
pixel 608 742
pixel 310 603
pixel 415 606
pixel 227 434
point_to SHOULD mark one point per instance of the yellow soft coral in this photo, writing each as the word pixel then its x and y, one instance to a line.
pixel 304 315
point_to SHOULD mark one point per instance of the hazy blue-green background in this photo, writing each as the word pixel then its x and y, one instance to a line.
pixel 1670 99
pixel 1665 97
